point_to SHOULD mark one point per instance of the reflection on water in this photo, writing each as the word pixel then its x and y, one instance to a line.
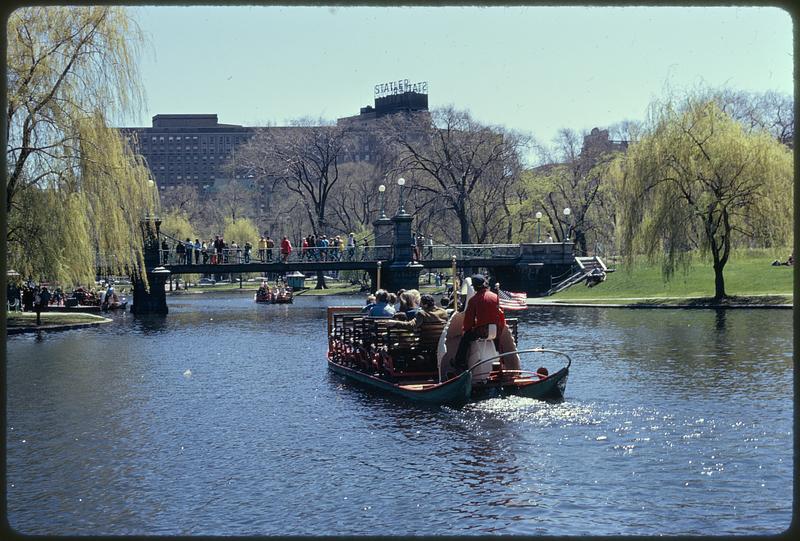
pixel 221 418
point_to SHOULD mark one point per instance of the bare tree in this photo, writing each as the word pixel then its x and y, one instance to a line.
pixel 768 111
pixel 576 181
pixel 450 156
pixel 303 159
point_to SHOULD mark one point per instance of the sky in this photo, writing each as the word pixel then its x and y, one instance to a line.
pixel 532 69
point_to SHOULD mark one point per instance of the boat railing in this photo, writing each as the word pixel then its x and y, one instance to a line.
pixel 534 350
pixel 374 343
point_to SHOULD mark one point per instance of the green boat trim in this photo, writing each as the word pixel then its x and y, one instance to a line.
pixel 455 391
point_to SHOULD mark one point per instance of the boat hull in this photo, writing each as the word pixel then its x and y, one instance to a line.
pixel 550 388
pixel 455 391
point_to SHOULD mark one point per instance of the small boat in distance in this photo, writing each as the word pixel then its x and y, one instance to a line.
pixel 416 363
pixel 273 295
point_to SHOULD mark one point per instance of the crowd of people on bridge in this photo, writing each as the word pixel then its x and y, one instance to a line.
pixel 312 248
pixel 219 251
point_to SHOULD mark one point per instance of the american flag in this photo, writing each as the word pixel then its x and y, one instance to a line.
pixel 512 301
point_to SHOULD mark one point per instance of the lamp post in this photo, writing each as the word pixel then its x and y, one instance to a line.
pixel 567 212
pixel 382 189
pixel 538 227
pixel 401 182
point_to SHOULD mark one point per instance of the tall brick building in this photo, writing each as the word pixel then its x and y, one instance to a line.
pixel 190 149
pixel 187 149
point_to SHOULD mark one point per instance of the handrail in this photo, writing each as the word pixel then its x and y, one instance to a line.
pixel 534 350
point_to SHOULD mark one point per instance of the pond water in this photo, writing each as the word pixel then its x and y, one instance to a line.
pixel 222 419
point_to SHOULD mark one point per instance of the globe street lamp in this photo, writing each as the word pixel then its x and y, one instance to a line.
pixel 567 212
pixel 401 182
pixel 538 227
pixel 382 189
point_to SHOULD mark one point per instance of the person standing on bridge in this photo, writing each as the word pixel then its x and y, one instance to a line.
pixel 270 246
pixel 247 249
pixel 262 248
pixel 189 249
pixel 286 249
pixel 351 247
pixel 197 248
pixel 180 252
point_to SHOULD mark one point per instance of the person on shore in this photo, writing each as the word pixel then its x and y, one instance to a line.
pixel 286 249
pixel 13 296
pixel 43 301
pixel 483 309
pixel 382 307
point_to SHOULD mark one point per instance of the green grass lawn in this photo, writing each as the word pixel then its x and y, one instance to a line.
pixel 746 274
pixel 28 319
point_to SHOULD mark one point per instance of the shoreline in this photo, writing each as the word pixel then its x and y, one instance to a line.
pixel 20 329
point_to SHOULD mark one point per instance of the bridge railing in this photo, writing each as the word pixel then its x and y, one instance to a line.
pixel 470 251
pixel 231 256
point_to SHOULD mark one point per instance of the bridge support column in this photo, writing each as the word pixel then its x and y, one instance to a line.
pixel 403 271
pixel 397 276
pixel 154 299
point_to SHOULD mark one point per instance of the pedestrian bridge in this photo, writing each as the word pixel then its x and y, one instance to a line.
pixel 321 259
pixel 394 261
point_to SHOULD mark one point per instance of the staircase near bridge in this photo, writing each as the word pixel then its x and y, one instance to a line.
pixel 591 270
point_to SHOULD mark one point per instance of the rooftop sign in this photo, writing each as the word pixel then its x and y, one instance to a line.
pixel 400 87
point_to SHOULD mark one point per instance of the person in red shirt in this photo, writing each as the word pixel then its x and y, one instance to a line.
pixel 482 310
pixel 286 248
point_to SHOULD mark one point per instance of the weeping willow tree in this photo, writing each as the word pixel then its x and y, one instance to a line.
pixel 240 231
pixel 698 182
pixel 176 224
pixel 75 194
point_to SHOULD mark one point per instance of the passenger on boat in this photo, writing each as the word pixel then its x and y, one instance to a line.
pixel 483 309
pixel 369 305
pixel 382 307
pixel 409 303
pixel 427 313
